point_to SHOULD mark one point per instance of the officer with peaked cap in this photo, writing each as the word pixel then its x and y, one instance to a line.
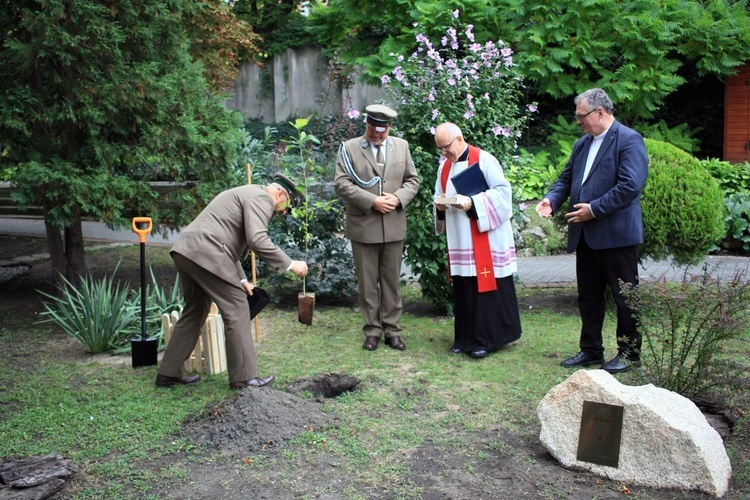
pixel 295 196
pixel 376 177
pixel 380 116
pixel 207 257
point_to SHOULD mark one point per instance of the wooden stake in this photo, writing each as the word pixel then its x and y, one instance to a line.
pixel 249 170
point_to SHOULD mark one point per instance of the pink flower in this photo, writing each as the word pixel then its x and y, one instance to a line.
pixel 385 79
pixel 532 108
pixel 498 130
pixel 469 113
pixel 455 14
pixel 353 114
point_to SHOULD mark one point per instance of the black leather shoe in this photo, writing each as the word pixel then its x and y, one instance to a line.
pixel 478 353
pixel 164 381
pixel 395 342
pixel 253 382
pixel 371 343
pixel 455 350
pixel 618 364
pixel 582 359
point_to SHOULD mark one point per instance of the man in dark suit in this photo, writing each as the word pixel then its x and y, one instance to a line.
pixel 207 256
pixel 604 178
pixel 376 177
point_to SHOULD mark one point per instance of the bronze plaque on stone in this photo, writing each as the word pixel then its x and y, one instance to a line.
pixel 601 430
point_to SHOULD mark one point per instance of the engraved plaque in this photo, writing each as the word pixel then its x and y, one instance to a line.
pixel 601 431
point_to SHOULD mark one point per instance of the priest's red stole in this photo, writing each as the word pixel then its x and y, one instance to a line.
pixel 482 252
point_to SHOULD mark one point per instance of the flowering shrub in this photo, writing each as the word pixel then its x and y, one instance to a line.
pixel 473 84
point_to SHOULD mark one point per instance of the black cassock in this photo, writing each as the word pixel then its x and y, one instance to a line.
pixel 486 320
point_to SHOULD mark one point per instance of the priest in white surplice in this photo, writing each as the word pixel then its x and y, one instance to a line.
pixel 481 252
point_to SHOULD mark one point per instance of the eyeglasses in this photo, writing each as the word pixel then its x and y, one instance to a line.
pixel 581 117
pixel 444 149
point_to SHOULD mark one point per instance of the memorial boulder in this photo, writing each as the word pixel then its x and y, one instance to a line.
pixel 642 435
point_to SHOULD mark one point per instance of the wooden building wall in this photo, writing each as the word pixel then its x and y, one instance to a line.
pixel 737 116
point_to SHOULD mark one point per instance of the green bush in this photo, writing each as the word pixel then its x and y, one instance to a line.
pixel 679 135
pixel 313 231
pixel 686 328
pixel 683 209
pixel 96 312
pixel 734 181
pixel 732 178
pixel 738 221
pixel 530 176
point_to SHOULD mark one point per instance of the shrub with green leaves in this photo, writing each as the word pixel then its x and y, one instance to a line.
pixel 734 180
pixel 679 135
pixel 530 176
pixel 686 328
pixel 683 209
pixel 738 221
pixel 313 231
pixel 95 312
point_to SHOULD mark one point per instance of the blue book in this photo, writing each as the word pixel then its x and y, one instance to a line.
pixel 470 182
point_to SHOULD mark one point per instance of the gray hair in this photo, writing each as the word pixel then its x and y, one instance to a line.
pixel 595 98
pixel 452 129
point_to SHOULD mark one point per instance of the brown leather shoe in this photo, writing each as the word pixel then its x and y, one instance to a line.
pixel 164 381
pixel 371 343
pixel 395 342
pixel 253 382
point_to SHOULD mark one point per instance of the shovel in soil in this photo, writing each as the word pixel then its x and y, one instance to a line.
pixel 144 350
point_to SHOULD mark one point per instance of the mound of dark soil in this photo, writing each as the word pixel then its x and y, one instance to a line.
pixel 256 420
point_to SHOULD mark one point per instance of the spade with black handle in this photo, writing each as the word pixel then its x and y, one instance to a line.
pixel 144 350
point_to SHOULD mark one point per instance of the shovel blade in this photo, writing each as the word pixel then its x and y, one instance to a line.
pixel 144 351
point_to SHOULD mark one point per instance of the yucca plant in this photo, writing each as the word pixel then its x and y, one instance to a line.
pixel 163 300
pixel 96 312
pixel 159 301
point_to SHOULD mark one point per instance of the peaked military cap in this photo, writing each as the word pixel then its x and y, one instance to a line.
pixel 295 195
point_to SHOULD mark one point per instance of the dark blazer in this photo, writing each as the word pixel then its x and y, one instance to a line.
pixel 612 188
pixel 363 224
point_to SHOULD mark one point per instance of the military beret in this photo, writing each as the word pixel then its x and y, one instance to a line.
pixel 295 195
pixel 380 115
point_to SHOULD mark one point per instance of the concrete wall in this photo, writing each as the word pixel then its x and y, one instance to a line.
pixel 296 83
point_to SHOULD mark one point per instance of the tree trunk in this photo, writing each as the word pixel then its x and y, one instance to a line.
pixel 74 245
pixel 66 255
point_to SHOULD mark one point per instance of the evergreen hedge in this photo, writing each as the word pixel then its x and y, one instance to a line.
pixel 683 206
